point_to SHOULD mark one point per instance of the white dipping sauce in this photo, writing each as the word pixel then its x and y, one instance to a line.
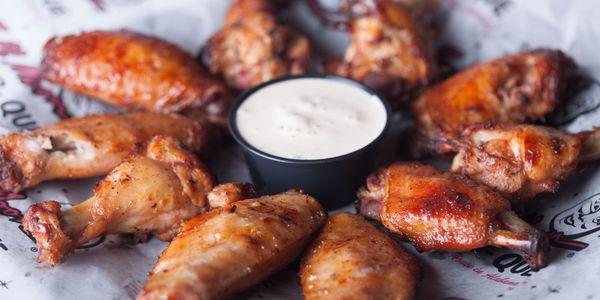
pixel 310 118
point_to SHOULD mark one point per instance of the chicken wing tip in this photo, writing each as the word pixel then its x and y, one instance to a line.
pixel 227 193
pixel 370 197
pixel 520 235
pixel 537 254
pixel 42 221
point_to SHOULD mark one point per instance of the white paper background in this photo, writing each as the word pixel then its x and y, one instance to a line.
pixel 478 30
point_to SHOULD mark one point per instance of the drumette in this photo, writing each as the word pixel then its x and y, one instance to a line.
pixel 152 193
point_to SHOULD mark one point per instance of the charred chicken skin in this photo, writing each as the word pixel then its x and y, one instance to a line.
pixel 133 71
pixel 388 50
pixel 229 249
pixel 521 161
pixel 512 89
pixel 351 259
pixel 89 146
pixel 253 47
pixel 438 210
pixel 150 193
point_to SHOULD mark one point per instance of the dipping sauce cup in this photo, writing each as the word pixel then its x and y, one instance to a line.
pixel 332 180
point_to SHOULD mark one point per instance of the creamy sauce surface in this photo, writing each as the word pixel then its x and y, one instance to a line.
pixel 310 118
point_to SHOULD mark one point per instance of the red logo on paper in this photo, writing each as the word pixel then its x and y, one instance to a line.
pixel 9 48
pixel 32 77
pixel 14 214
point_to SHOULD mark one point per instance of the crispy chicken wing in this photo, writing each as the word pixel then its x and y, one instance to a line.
pixel 240 9
pixel 253 47
pixel 133 71
pixel 438 210
pixel 89 146
pixel 521 161
pixel 351 259
pixel 512 89
pixel 234 247
pixel 388 50
pixel 148 193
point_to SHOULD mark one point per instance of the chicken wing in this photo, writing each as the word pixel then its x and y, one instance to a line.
pixel 234 247
pixel 512 89
pixel 253 47
pixel 521 161
pixel 351 259
pixel 437 210
pixel 89 146
pixel 388 51
pixel 240 9
pixel 149 193
pixel 133 71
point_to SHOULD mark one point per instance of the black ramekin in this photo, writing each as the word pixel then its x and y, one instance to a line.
pixel 332 181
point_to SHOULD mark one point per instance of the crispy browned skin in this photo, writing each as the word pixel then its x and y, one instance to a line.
pixel 149 193
pixel 234 247
pixel 133 71
pixel 89 146
pixel 351 259
pixel 438 210
pixel 520 161
pixel 420 8
pixel 227 193
pixel 240 9
pixel 388 51
pixel 253 47
pixel 511 89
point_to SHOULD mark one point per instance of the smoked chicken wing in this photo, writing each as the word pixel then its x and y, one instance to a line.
pixel 253 47
pixel 232 248
pixel 521 161
pixel 351 259
pixel 133 71
pixel 511 89
pixel 388 50
pixel 438 210
pixel 150 193
pixel 88 146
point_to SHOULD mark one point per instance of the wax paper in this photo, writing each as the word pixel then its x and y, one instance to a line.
pixel 471 31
